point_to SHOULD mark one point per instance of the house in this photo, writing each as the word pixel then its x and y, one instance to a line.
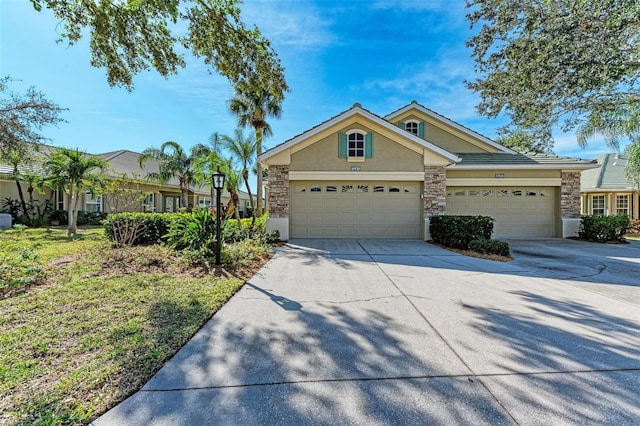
pixel 141 194
pixel 358 174
pixel 606 189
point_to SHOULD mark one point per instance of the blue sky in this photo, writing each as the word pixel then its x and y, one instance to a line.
pixel 382 54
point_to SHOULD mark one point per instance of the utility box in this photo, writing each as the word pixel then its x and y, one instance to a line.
pixel 5 221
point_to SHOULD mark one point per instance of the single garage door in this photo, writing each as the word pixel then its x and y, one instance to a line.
pixel 355 209
pixel 518 211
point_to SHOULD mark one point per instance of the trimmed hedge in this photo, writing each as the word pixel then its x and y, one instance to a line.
pixel 490 247
pixel 459 231
pixel 603 229
pixel 138 228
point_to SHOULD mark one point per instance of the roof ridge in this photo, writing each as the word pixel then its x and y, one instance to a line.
pixel 600 174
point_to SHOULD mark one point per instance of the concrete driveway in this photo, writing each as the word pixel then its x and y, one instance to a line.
pixel 401 332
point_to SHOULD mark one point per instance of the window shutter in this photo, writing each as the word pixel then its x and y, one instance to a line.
pixel 421 129
pixel 342 145
pixel 368 145
pixel 401 125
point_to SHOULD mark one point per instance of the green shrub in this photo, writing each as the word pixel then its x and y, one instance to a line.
pixel 485 246
pixel 242 252
pixel 603 229
pixel 91 218
pixel 194 232
pixel 459 231
pixel 138 228
pixel 19 268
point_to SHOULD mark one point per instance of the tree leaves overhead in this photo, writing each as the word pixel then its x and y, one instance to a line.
pixel 548 62
pixel 22 117
pixel 130 36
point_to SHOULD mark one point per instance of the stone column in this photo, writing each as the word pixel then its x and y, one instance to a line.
pixel 279 201
pixel 570 203
pixel 435 195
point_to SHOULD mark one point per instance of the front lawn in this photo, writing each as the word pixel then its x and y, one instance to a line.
pixel 97 324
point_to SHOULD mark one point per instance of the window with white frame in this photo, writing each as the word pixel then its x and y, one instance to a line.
pixel 149 203
pixel 411 127
pixel 355 144
pixel 622 205
pixel 597 204
pixel 59 200
pixel 92 204
pixel 204 202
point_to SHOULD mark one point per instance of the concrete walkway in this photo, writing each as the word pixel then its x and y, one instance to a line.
pixel 401 332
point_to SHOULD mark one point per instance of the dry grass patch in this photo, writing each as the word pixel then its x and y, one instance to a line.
pixel 104 322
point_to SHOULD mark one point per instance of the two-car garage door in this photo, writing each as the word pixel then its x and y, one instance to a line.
pixel 518 211
pixel 355 209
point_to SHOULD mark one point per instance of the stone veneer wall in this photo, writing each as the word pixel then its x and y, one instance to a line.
pixel 435 191
pixel 570 194
pixel 279 191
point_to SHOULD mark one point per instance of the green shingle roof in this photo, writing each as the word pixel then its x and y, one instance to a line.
pixel 610 174
pixel 520 160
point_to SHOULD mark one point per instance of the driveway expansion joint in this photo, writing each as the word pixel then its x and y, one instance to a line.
pixel 440 336
pixel 477 377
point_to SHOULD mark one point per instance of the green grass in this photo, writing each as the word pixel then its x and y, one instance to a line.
pixel 102 323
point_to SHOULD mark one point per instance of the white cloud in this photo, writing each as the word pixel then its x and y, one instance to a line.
pixel 286 24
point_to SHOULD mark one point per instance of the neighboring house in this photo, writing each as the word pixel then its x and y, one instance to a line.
pixel 152 195
pixel 606 190
pixel 361 175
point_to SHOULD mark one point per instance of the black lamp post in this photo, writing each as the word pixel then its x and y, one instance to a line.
pixel 218 184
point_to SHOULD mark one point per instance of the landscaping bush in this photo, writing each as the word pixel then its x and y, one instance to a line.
pixel 484 246
pixel 138 228
pixel 194 232
pixel 232 232
pixel 603 229
pixel 459 231
pixel 90 218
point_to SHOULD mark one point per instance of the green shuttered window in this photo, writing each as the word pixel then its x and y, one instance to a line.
pixel 355 145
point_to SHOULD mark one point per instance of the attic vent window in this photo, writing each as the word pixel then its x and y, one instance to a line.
pixel 412 127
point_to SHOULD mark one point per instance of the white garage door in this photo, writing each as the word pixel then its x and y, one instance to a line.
pixel 518 211
pixel 355 209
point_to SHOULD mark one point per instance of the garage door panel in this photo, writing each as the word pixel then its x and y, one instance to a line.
pixel 370 209
pixel 518 211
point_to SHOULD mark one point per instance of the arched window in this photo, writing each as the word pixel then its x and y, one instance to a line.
pixel 355 143
pixel 411 127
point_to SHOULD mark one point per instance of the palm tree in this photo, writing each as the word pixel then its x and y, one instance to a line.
pixel 74 171
pixel 243 149
pixel 173 162
pixel 206 160
pixel 232 183
pixel 252 106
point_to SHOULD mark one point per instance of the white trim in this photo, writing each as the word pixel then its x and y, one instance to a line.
pixel 504 182
pixel 366 114
pixel 497 167
pixel 460 128
pixel 379 176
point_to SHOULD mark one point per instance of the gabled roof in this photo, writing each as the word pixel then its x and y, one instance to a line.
pixel 357 109
pixel 516 160
pixel 415 105
pixel 608 176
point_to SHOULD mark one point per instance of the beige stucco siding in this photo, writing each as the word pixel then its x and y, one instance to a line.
pixel 445 136
pixel 447 141
pixel 388 156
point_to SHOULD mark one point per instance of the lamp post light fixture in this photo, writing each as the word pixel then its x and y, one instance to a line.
pixel 218 184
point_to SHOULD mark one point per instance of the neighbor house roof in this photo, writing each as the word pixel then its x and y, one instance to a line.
pixel 520 161
pixel 354 110
pixel 608 176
